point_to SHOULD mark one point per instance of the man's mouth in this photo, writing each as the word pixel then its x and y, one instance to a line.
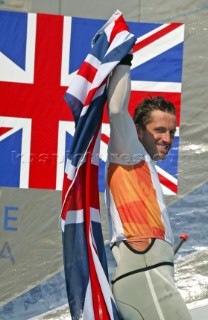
pixel 163 148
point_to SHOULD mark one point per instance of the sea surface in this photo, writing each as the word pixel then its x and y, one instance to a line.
pixel 190 215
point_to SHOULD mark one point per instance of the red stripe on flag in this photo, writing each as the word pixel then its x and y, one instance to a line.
pixel 167 183
pixel 66 186
pixel 105 138
pixel 143 43
pixel 90 96
pixel 92 92
pixel 99 306
pixel 120 26
pixel 75 198
pixel 87 71
pixel 3 130
pixel 94 196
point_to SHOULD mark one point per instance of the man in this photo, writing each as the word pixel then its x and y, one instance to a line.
pixel 141 236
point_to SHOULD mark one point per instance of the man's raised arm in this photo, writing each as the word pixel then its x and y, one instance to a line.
pixel 123 136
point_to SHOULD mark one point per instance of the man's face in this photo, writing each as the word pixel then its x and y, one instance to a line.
pixel 158 136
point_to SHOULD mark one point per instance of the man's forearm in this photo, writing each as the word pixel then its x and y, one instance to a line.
pixel 123 135
pixel 119 90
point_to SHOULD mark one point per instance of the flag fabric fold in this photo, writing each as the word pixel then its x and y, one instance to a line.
pixel 85 263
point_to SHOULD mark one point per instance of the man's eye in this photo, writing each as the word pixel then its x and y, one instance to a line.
pixel 160 130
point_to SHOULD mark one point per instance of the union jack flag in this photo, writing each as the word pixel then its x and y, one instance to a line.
pixel 88 290
pixel 39 55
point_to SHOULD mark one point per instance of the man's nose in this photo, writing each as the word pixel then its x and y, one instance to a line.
pixel 166 137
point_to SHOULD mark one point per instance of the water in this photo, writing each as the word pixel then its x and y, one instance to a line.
pixel 189 215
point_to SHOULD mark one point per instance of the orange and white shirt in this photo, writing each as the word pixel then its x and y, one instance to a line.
pixel 134 198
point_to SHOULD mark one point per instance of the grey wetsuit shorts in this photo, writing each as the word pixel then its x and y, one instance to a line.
pixel 143 283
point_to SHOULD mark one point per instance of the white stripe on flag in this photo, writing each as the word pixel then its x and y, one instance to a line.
pixel 155 86
pixel 88 310
pixel 79 88
pixel 119 40
pixel 166 175
pixel 158 46
pixel 77 216
pixel 103 71
pixel 74 216
pixel 147 35
pixel 93 61
pixel 167 192
pixel 99 92
pixel 65 77
pixel 84 110
pixel 95 215
pixel 70 170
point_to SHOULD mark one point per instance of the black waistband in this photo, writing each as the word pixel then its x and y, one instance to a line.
pixel 142 270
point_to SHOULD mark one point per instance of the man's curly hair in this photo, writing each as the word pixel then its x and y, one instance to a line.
pixel 142 113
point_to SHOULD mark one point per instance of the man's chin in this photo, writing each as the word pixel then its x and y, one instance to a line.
pixel 159 156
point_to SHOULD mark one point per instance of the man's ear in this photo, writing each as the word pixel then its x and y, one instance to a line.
pixel 139 131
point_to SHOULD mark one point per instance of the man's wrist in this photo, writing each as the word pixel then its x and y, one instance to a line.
pixel 127 59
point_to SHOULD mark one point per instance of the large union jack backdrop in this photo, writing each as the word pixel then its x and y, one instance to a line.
pixel 39 55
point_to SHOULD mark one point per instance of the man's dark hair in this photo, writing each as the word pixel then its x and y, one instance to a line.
pixel 142 113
